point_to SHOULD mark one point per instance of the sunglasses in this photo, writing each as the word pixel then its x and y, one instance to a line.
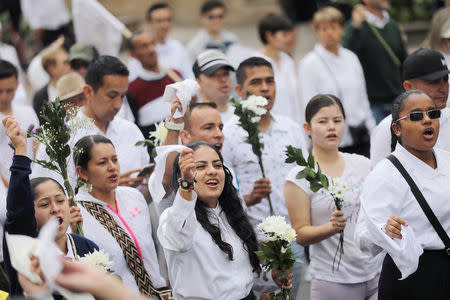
pixel 78 64
pixel 418 115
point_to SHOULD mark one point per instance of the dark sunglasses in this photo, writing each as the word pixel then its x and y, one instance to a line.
pixel 418 115
pixel 78 64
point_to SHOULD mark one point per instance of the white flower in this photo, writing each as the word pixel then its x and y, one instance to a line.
pixel 255 104
pixel 338 188
pixel 159 134
pixel 255 119
pixel 276 228
pixel 99 259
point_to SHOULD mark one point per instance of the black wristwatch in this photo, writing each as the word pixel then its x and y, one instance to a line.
pixel 185 185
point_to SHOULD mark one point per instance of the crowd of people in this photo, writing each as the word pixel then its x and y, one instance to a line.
pixel 179 219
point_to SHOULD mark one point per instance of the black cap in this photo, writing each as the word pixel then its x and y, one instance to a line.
pixel 425 64
pixel 209 61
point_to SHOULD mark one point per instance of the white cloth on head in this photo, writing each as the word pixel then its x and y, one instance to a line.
pixel 184 90
pixel 323 72
pixel 95 25
pixel 385 193
pixel 155 182
pixel 380 139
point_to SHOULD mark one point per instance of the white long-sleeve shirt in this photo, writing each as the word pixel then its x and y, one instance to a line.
pixel 198 269
pixel 323 72
pixel 133 216
pixel 386 193
pixel 380 139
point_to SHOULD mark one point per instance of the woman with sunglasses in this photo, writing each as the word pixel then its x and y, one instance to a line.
pixel 208 240
pixel 393 221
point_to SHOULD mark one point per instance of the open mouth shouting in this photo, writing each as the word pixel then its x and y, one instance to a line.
pixel 212 183
pixel 428 133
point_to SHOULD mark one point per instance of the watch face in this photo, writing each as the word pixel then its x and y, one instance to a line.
pixel 185 184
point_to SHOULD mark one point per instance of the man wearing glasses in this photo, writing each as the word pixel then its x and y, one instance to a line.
pixel 425 70
pixel 212 36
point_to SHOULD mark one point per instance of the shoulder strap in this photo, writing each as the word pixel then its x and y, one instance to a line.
pixel 422 202
pixel 74 247
pixel 385 44
pixel 130 252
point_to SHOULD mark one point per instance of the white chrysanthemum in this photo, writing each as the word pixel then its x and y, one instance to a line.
pixel 255 104
pixel 255 119
pixel 339 187
pixel 276 228
pixel 98 259
pixel 159 134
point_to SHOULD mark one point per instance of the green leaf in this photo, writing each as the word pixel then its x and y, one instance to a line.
pixel 310 174
pixel 301 174
pixel 311 161
pixel 315 186
pixel 324 181
pixel 265 276
pixel 250 162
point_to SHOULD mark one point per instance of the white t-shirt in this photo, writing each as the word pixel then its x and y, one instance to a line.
pixel 25 116
pixel 380 140
pixel 203 41
pixel 355 266
pixel 323 72
pixel 133 216
pixel 3 194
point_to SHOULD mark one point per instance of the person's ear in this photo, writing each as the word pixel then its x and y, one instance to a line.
pixel 397 129
pixel 81 173
pixel 408 85
pixel 307 128
pixel 185 137
pixel 240 90
pixel 88 92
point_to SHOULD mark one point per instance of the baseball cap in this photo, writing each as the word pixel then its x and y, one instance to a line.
pixel 425 64
pixel 82 51
pixel 209 61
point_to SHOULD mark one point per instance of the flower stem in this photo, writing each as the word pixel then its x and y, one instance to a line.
pixel 261 166
pixel 73 202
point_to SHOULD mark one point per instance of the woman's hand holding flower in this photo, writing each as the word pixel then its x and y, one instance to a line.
pixel 17 136
pixel 337 221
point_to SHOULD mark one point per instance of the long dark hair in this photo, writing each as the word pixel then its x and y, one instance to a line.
pixel 397 106
pixel 231 205
pixel 82 152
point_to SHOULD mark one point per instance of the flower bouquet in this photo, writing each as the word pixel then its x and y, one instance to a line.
pixel 276 250
pixel 318 180
pixel 249 112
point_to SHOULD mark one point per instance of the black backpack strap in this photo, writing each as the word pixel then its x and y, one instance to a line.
pixel 423 203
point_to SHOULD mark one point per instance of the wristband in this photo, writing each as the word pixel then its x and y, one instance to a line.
pixel 173 126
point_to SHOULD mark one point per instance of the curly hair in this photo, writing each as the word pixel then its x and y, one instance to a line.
pixel 231 205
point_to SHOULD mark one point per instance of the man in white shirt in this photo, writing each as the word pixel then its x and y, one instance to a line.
pixel 171 52
pixel 425 70
pixel 23 114
pixel 256 76
pixel 106 85
pixel 212 36
pixel 212 71
pixel 55 63
pixel 275 32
